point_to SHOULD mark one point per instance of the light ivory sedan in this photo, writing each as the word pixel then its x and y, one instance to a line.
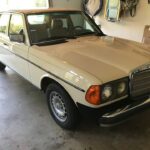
pixel 81 70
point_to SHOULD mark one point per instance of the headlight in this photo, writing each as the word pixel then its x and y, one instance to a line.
pixel 121 87
pixel 114 90
pixel 107 92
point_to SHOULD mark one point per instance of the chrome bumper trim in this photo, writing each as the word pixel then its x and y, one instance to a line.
pixel 119 115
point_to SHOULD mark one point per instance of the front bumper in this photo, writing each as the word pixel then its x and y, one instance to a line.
pixel 121 114
pixel 115 113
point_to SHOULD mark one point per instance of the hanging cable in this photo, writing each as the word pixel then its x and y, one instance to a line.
pixel 92 7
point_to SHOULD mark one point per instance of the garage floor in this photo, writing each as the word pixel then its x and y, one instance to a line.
pixel 25 124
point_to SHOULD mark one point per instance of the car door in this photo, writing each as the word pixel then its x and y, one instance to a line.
pixel 19 62
pixel 5 54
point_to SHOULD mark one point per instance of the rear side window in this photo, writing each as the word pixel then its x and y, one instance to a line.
pixel 4 21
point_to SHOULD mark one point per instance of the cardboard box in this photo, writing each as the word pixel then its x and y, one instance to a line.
pixel 146 35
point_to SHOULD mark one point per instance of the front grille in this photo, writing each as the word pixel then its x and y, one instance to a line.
pixel 140 83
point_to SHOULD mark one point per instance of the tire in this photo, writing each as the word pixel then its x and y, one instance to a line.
pixel 62 107
pixel 2 67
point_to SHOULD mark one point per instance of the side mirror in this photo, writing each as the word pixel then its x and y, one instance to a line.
pixel 17 38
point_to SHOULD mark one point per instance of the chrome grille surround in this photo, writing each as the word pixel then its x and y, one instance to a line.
pixel 140 81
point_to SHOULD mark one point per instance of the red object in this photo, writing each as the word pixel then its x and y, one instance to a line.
pixel 93 95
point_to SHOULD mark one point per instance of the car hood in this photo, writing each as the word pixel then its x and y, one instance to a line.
pixel 106 58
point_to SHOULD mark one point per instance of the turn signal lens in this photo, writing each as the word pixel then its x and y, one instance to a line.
pixel 93 95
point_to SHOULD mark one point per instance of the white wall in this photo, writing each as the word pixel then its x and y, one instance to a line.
pixel 23 4
pixel 74 4
pixel 128 27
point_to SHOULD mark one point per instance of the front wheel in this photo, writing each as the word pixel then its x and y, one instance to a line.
pixel 2 67
pixel 62 107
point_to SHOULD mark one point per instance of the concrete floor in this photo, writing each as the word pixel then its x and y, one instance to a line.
pixel 25 124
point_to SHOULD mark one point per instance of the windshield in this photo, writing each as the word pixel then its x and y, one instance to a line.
pixel 45 27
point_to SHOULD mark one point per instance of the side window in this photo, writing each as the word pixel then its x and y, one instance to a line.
pixel 4 20
pixel 16 24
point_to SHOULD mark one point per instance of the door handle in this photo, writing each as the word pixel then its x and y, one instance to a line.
pixel 5 44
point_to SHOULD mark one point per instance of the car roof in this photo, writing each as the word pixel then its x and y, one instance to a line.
pixel 33 11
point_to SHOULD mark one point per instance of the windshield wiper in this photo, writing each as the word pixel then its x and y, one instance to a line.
pixel 88 33
pixel 52 41
pixel 70 37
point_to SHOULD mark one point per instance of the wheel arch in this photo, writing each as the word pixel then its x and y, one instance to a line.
pixel 46 80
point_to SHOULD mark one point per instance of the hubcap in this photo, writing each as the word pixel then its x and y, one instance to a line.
pixel 57 106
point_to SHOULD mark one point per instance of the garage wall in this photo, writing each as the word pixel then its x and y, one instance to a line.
pixel 128 27
pixel 74 4
pixel 26 4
